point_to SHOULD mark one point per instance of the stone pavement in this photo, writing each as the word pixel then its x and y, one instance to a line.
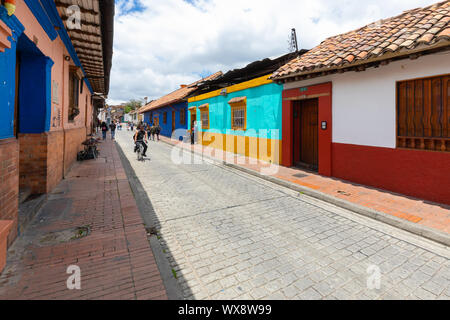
pixel 90 220
pixel 433 215
pixel 230 235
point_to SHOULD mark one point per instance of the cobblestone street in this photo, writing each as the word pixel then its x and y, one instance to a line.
pixel 229 235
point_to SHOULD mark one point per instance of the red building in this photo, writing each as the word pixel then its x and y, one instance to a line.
pixel 371 106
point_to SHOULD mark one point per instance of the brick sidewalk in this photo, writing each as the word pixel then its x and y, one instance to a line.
pixel 115 257
pixel 433 215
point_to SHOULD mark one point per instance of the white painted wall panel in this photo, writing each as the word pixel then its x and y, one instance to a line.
pixel 364 102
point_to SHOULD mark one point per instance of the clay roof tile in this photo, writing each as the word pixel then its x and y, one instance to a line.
pixel 423 26
pixel 177 95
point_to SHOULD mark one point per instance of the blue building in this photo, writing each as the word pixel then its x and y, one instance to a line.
pixel 170 111
pixel 51 88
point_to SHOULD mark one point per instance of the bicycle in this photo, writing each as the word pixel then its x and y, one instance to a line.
pixel 90 150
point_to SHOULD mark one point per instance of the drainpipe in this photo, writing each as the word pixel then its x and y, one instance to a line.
pixel 63 102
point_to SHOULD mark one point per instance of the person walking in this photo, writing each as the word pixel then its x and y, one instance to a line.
pixel 104 128
pixel 152 132
pixel 192 135
pixel 113 127
pixel 157 131
pixel 148 129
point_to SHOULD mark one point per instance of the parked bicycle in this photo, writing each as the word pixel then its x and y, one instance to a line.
pixel 90 150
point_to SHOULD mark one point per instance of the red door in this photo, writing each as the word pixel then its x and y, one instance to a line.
pixel 306 134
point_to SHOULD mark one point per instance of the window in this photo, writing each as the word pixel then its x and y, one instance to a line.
pixel 182 117
pixel 165 117
pixel 74 89
pixel 423 114
pixel 204 115
pixel 238 113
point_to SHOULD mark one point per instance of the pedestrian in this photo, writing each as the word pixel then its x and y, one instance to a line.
pixel 104 128
pixel 192 135
pixel 152 132
pixel 148 129
pixel 157 131
pixel 113 126
pixel 131 126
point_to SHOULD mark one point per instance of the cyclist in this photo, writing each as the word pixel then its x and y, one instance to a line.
pixel 141 137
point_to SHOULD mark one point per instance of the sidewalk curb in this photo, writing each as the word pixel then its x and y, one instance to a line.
pixel 173 290
pixel 420 230
pixel 423 231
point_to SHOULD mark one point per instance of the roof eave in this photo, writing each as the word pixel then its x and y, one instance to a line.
pixel 442 45
pixel 107 10
pixel 163 105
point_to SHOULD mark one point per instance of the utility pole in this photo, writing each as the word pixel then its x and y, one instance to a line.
pixel 293 44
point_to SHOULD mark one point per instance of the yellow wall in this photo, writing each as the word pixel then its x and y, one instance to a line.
pixel 268 150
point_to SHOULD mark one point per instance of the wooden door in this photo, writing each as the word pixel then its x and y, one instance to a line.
pixel 309 136
pixel 156 121
pixel 173 121
pixel 305 134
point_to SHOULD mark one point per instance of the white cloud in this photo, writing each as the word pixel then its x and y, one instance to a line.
pixel 171 42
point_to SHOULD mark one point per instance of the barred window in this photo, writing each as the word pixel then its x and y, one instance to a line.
pixel 74 93
pixel 238 117
pixel 205 118
pixel 238 113
pixel 204 115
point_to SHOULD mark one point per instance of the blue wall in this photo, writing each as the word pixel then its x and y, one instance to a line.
pixel 264 106
pixel 34 107
pixel 166 128
pixel 34 88
pixel 7 76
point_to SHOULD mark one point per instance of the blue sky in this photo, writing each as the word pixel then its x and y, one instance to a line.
pixel 126 7
pixel 161 44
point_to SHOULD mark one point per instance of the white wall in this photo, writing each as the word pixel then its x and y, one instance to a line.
pixel 364 102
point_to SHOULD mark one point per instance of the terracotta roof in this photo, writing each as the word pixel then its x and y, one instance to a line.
pixel 411 32
pixel 177 95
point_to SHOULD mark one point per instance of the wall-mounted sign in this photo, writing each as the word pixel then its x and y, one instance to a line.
pixel 303 89
pixel 324 125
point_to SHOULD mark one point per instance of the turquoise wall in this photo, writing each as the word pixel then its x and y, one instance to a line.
pixel 264 104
